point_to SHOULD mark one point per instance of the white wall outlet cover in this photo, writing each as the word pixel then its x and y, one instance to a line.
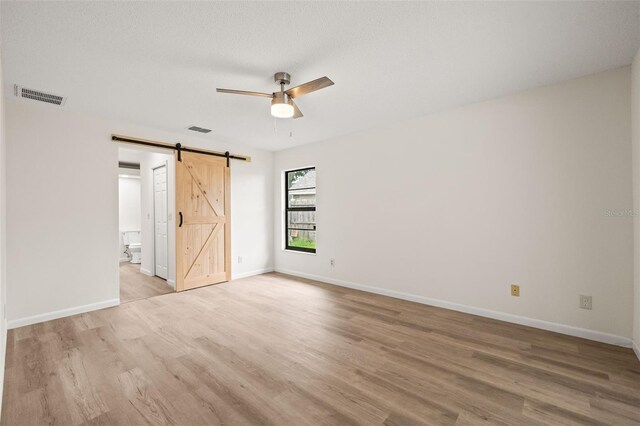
pixel 586 302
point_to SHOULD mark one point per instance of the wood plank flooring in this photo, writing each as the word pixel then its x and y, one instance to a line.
pixel 134 285
pixel 275 349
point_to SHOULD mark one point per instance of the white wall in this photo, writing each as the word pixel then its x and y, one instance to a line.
pixel 128 172
pixel 452 208
pixel 3 233
pixel 129 217
pixel 635 123
pixel 62 222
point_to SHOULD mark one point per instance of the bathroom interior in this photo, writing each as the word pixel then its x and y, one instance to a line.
pixel 146 234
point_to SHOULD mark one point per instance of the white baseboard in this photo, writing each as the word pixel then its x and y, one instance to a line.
pixel 570 330
pixel 171 282
pixel 124 259
pixel 636 349
pixel 146 271
pixel 21 322
pixel 251 273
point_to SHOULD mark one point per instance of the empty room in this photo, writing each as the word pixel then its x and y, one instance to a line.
pixel 312 213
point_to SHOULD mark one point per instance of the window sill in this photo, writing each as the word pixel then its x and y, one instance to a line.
pixel 299 252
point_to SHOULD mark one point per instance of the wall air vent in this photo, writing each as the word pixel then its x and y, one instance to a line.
pixel 128 165
pixel 36 95
pixel 199 129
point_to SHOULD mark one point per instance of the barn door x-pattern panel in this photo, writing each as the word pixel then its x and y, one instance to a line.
pixel 202 197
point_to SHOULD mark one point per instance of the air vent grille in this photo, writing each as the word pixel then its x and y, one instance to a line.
pixel 199 129
pixel 127 165
pixel 36 95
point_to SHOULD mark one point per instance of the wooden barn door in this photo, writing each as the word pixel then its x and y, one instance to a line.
pixel 203 222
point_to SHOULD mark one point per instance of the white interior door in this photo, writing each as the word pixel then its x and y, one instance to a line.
pixel 160 220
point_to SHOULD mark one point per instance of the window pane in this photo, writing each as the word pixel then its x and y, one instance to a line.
pixel 301 216
pixel 298 179
pixel 301 239
pixel 301 220
pixel 301 185
pixel 302 197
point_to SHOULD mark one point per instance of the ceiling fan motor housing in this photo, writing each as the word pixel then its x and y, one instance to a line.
pixel 279 98
pixel 282 78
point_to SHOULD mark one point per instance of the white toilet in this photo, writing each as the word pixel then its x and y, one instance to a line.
pixel 131 240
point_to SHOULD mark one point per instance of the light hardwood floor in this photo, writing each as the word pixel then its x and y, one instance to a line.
pixel 274 349
pixel 134 285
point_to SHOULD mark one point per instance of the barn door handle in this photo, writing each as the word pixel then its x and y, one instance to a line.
pixel 180 225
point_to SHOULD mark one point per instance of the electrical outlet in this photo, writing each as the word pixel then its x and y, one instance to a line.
pixel 332 262
pixel 239 259
pixel 586 302
pixel 515 290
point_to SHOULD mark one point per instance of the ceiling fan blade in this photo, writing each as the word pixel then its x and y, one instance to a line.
pixel 296 111
pixel 244 92
pixel 311 86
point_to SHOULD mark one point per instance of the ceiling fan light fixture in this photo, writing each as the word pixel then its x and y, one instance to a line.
pixel 282 104
pixel 280 108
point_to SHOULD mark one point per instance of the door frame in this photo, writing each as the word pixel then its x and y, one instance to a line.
pixel 155 252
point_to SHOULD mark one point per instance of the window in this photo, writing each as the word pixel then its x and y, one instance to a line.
pixel 300 210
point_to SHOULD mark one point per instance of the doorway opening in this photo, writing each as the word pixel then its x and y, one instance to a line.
pixel 191 198
pixel 146 187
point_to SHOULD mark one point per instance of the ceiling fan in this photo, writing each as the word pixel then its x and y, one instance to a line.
pixel 282 105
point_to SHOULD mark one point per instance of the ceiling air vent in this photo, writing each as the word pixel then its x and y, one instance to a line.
pixel 36 95
pixel 199 129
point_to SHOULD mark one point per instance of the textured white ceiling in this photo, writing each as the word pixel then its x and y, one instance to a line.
pixel 158 64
